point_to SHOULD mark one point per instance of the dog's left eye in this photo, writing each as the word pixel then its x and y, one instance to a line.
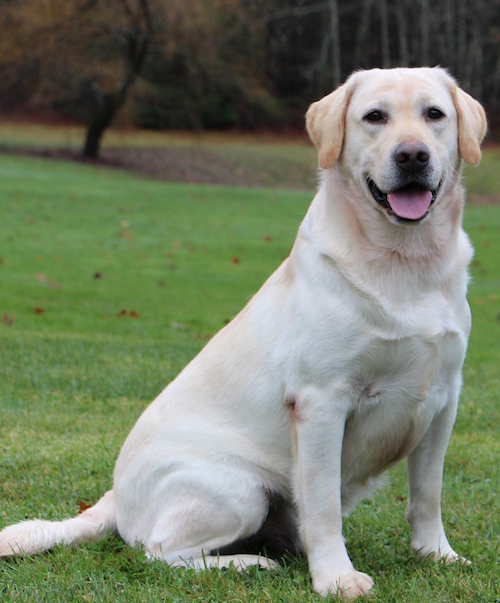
pixel 434 113
pixel 374 116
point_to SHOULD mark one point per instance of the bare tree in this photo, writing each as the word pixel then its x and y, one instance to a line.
pixel 85 55
pixel 136 32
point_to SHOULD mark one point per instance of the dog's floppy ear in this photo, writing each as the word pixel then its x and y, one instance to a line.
pixel 325 121
pixel 471 126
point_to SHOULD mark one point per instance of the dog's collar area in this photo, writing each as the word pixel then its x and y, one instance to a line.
pixel 413 187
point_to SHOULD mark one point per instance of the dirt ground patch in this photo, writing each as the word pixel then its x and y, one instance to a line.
pixel 222 165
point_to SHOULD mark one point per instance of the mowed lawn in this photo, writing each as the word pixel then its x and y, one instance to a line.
pixel 109 284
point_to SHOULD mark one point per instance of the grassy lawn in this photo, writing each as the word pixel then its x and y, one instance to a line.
pixel 109 284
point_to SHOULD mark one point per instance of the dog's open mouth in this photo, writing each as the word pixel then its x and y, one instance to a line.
pixel 410 203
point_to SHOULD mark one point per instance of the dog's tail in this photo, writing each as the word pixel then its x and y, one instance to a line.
pixel 32 537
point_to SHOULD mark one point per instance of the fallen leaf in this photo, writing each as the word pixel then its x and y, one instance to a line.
pixel 132 313
pixel 7 319
pixel 83 506
pixel 38 310
pixel 97 275
pixel 267 238
pixel 236 260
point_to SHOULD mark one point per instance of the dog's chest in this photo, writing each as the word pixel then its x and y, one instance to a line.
pixel 402 370
pixel 395 386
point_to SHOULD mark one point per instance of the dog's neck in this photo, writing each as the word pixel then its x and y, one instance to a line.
pixel 344 225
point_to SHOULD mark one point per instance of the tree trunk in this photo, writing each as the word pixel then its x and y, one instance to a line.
pixel 92 142
pixel 335 42
pixel 384 33
pixel 462 42
pixel 425 31
pixel 475 52
pixel 363 34
pixel 450 58
pixel 401 14
pixel 110 104
pixel 98 124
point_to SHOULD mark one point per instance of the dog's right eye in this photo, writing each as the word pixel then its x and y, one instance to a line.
pixel 375 116
pixel 434 113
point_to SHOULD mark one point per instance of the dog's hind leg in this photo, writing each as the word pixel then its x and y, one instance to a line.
pixel 199 516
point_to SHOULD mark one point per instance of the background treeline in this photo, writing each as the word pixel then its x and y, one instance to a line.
pixel 228 63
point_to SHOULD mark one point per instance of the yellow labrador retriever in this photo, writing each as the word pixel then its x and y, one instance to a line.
pixel 347 360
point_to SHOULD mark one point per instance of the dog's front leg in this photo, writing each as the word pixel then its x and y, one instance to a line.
pixel 425 476
pixel 319 425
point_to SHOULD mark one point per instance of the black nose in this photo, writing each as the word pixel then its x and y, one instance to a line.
pixel 412 156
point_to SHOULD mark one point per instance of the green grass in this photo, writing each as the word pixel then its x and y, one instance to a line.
pixel 83 244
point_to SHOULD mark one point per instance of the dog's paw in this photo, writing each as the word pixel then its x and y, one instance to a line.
pixel 448 556
pixel 267 564
pixel 349 585
pixel 452 557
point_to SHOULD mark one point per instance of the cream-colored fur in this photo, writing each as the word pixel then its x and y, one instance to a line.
pixel 347 360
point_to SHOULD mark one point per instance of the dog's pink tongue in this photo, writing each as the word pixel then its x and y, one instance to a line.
pixel 411 205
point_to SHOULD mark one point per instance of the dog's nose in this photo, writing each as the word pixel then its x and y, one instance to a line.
pixel 412 156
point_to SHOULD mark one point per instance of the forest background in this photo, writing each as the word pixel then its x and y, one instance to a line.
pixel 227 64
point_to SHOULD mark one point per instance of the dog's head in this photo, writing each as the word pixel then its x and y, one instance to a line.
pixel 400 134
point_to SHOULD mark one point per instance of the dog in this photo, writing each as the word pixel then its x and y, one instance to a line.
pixel 347 360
